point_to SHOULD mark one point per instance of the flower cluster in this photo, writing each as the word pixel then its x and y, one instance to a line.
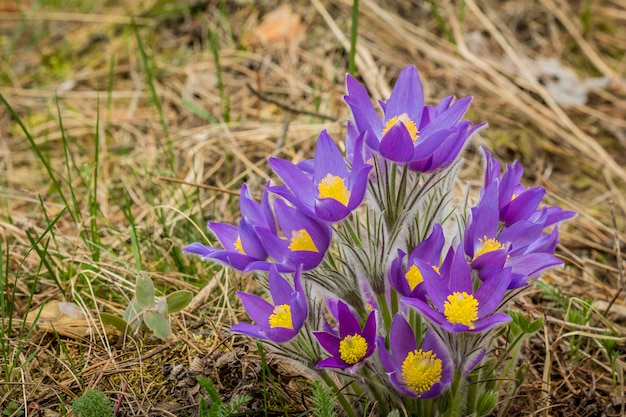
pixel 414 284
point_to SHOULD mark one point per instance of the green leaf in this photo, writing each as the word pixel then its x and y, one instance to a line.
pixel 178 300
pixel 486 402
pixel 133 315
pixel 115 321
pixel 145 291
pixel 535 326
pixel 158 324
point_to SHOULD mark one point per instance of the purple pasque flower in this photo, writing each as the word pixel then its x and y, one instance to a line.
pixel 522 246
pixel 454 305
pixel 425 258
pixel 241 244
pixel 409 131
pixel 350 345
pixel 332 191
pixel 304 244
pixel 516 202
pixel 281 320
pixel 423 372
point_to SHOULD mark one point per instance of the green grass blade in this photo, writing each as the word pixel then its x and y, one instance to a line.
pixel 215 50
pixel 44 161
pixel 353 37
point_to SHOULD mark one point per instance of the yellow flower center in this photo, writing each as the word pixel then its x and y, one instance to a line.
pixel 332 186
pixel 461 308
pixel 421 370
pixel 414 277
pixel 281 317
pixel 352 349
pixel 408 123
pixel 238 246
pixel 301 240
pixel 488 245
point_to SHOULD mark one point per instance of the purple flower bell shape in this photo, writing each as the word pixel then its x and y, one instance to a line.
pixel 350 345
pixel 426 137
pixel 454 305
pixel 281 320
pixel 241 244
pixel 332 191
pixel 417 371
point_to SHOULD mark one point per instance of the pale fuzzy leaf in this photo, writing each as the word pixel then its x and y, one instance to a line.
pixel 145 291
pixel 158 324
pixel 132 315
pixel 178 300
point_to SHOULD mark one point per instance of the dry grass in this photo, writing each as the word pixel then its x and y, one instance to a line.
pixel 167 172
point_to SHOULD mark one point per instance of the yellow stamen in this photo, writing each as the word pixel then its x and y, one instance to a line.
pixel 238 246
pixel 332 186
pixel 488 245
pixel 436 268
pixel 281 317
pixel 421 370
pixel 461 308
pixel 408 123
pixel 301 240
pixel 414 277
pixel 352 349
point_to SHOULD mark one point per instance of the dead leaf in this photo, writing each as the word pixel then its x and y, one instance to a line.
pixel 278 25
pixel 64 318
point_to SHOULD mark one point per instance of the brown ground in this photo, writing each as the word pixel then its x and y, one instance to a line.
pixel 283 80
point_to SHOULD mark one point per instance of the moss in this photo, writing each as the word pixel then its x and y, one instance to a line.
pixel 93 403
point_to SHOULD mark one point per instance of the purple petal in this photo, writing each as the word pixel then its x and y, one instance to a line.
pixel 473 360
pixel 490 321
pixel 358 186
pixel 427 311
pixel 330 210
pixel 397 380
pixel 333 362
pixel 280 289
pixel 233 259
pixel 329 342
pixel 460 275
pixel 328 159
pixel 401 339
pixel 530 264
pixel 281 334
pixel 428 144
pixel 348 324
pixel 407 96
pixel 450 117
pixel 397 145
pixel 199 249
pixel 364 113
pixel 522 206
pixel 250 330
pixel 250 242
pixel 369 333
pixel 299 184
pixel 276 247
pixel 430 248
pixel 226 233
pixel 521 234
pixel 491 292
pixel 385 357
pixel 257 308
pixel 299 310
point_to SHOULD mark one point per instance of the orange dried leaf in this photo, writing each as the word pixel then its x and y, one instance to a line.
pixel 278 25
